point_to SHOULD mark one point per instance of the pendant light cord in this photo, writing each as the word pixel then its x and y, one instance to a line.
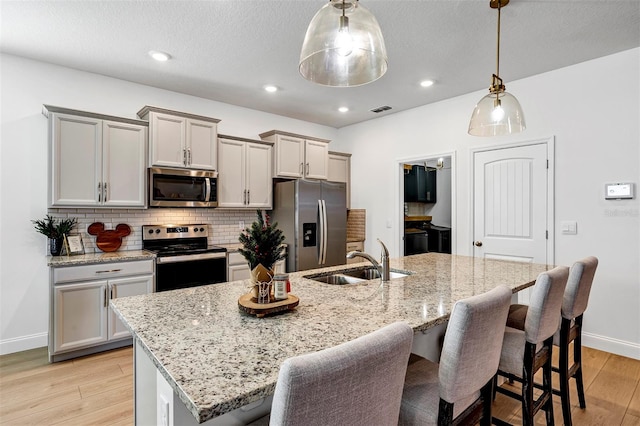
pixel 498 50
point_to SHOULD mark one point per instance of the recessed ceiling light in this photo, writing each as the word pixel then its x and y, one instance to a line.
pixel 426 83
pixel 159 56
pixel 343 109
pixel 270 88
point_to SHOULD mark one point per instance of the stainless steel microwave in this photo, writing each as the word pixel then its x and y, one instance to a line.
pixel 182 188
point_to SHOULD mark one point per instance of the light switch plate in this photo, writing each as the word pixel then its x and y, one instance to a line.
pixel 569 227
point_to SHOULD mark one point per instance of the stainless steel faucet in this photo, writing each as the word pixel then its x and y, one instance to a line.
pixel 383 268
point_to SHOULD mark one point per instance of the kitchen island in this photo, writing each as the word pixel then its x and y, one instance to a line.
pixel 196 353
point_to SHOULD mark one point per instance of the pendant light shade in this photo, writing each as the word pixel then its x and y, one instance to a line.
pixel 499 112
pixel 343 46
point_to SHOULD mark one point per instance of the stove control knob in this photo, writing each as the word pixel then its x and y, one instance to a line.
pixel 157 231
pixel 150 231
pixel 195 229
pixel 201 229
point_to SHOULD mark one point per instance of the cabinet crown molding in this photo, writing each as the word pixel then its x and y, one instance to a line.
pixel 280 132
pixel 46 109
pixel 237 138
pixel 144 112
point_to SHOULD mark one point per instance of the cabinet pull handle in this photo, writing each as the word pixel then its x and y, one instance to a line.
pixel 184 157
pixel 108 270
pixel 189 156
pixel 106 302
pixel 307 172
pixel 301 168
pixel 248 196
pixel 106 192
pixel 99 192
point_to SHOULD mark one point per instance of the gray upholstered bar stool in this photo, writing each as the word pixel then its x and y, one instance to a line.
pixel 576 298
pixel 356 383
pixel 459 389
pixel 526 351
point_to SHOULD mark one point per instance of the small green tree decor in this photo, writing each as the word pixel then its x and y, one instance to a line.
pixel 55 230
pixel 262 247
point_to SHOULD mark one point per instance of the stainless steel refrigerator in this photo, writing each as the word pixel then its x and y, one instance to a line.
pixel 313 217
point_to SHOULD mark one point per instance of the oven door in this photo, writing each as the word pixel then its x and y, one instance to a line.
pixel 184 271
pixel 182 188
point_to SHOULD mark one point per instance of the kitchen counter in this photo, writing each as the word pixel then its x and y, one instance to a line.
pixel 217 359
pixel 102 257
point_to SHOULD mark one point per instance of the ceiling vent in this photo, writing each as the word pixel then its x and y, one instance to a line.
pixel 381 109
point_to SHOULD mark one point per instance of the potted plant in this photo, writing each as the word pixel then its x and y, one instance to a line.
pixel 262 247
pixel 55 230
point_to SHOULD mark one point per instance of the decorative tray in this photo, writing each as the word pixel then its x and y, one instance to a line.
pixel 248 304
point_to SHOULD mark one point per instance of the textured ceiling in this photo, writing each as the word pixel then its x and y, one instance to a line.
pixel 227 50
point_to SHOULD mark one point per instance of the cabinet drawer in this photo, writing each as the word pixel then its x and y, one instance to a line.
pixel 235 258
pixel 101 270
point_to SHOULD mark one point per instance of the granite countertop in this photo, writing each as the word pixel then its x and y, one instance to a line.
pixel 231 247
pixel 218 359
pixel 92 258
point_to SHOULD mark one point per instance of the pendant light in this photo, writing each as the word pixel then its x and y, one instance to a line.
pixel 343 46
pixel 499 112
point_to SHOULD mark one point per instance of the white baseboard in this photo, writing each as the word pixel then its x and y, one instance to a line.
pixel 23 343
pixel 608 344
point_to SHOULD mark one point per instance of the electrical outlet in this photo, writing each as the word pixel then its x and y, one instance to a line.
pixel 164 411
pixel 241 224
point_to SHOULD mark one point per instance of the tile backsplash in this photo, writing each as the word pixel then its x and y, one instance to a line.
pixel 224 225
pixel 356 224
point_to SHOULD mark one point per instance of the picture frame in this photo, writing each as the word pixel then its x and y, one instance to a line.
pixel 73 244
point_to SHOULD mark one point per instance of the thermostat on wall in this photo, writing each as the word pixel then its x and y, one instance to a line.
pixel 618 191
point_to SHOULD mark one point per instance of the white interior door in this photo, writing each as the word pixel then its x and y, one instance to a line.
pixel 511 204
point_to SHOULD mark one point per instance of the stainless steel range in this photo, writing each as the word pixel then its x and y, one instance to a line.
pixel 183 256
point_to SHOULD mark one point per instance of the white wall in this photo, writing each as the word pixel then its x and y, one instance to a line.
pixel 592 109
pixel 26 85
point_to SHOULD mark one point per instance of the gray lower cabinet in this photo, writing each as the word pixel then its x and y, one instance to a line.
pixel 81 320
pixel 238 268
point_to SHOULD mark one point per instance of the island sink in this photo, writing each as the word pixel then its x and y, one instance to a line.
pixel 354 276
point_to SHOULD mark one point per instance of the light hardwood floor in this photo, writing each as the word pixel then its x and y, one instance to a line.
pixel 98 390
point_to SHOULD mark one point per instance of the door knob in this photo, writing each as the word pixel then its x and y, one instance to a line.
pixel 478 243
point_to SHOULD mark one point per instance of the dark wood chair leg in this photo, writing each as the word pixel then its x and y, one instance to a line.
pixel 548 386
pixel 494 388
pixel 527 384
pixel 445 413
pixel 577 360
pixel 487 394
pixel 563 371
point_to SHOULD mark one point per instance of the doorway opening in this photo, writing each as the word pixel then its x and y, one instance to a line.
pixel 426 209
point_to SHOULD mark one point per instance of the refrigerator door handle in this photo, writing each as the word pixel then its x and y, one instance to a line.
pixel 321 233
pixel 325 232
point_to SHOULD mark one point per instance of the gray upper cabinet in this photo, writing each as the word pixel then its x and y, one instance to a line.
pixel 183 140
pixel 244 179
pixel 298 156
pixel 96 160
pixel 339 170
